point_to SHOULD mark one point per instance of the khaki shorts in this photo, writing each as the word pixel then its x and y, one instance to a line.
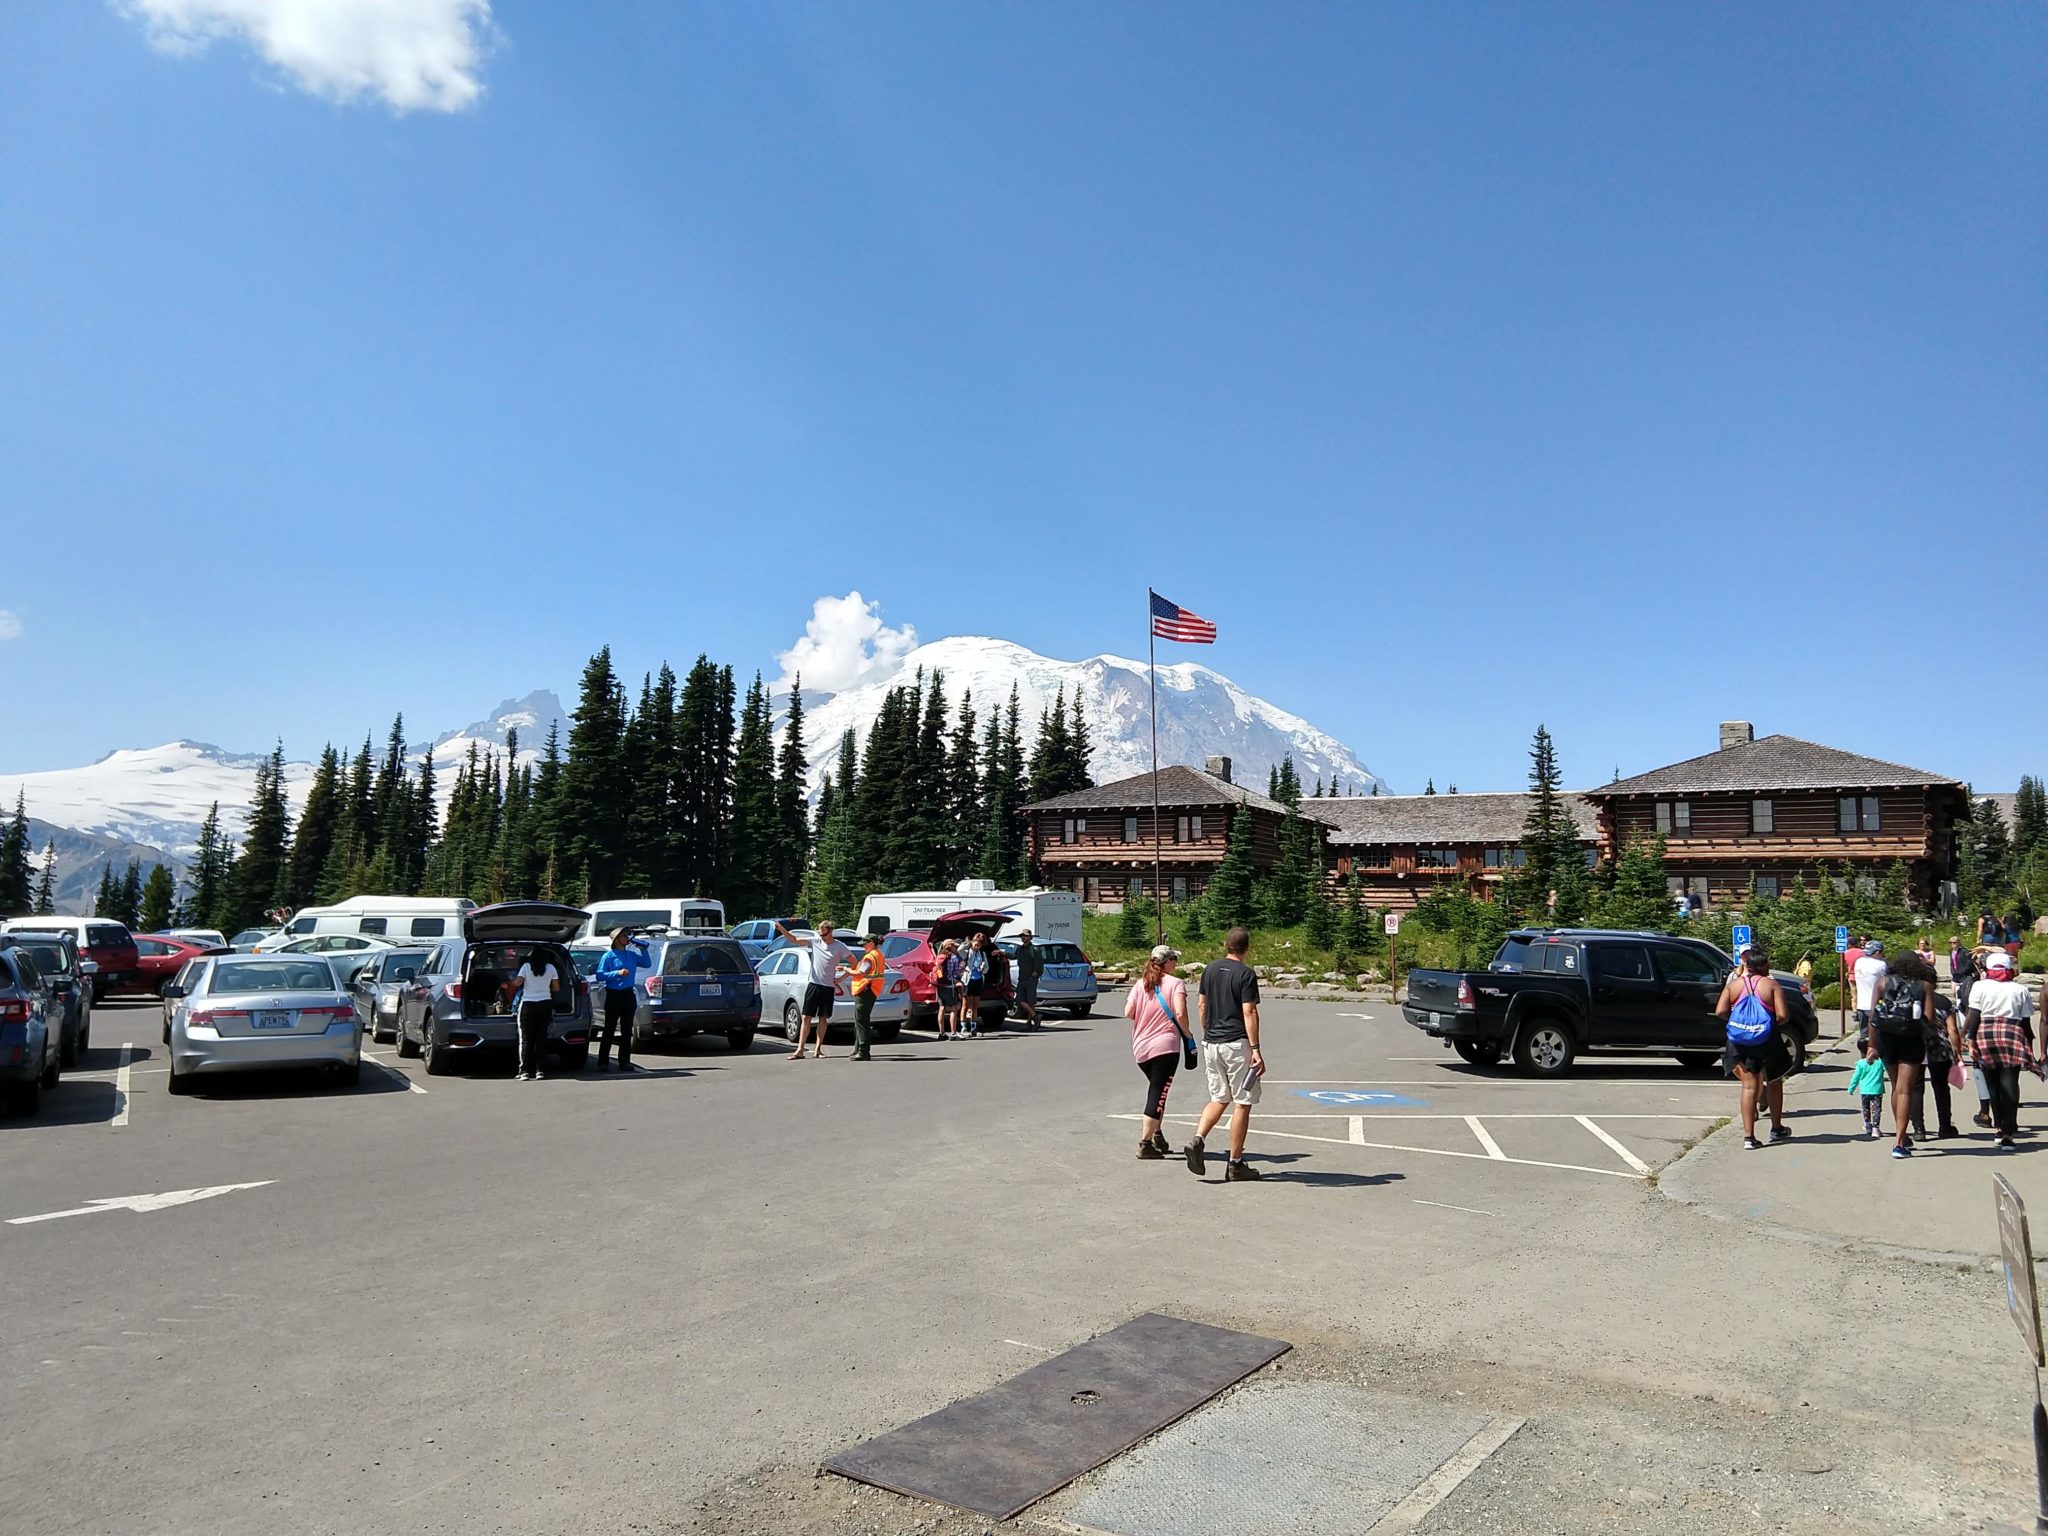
pixel 1229 1067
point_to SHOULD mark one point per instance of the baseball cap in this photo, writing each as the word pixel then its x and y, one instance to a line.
pixel 1164 952
pixel 1874 947
pixel 1997 960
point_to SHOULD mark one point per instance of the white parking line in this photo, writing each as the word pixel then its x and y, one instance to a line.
pixel 1620 1151
pixel 1492 1147
pixel 121 1084
pixel 1468 1210
pixel 1389 1146
pixel 403 1077
pixel 1358 1130
pixel 1443 1482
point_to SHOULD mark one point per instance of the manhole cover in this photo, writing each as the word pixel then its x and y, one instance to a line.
pixel 1310 1459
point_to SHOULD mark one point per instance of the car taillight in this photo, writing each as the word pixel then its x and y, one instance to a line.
pixel 331 1011
pixel 900 986
pixel 1464 993
pixel 213 1018
pixel 14 1011
pixel 654 986
pixel 452 989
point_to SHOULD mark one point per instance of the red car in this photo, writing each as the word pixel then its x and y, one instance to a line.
pixel 910 950
pixel 158 959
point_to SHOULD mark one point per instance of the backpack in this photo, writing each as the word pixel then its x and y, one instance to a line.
pixel 1750 1020
pixel 1898 1005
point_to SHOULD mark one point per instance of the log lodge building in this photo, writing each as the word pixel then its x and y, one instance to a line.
pixel 1773 810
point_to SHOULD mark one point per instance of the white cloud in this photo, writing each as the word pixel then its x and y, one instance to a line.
pixel 844 644
pixel 10 625
pixel 418 55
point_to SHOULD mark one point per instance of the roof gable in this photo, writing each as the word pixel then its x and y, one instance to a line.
pixel 1774 762
pixel 1179 785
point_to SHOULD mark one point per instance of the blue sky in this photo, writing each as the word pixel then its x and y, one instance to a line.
pixel 1620 367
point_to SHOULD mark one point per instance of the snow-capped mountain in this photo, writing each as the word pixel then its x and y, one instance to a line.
pixel 154 796
pixel 530 717
pixel 1201 713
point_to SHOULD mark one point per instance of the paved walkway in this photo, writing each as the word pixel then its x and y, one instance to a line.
pixel 1832 1184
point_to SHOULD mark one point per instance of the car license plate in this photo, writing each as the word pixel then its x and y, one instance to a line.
pixel 1435 1020
pixel 273 1021
pixel 710 989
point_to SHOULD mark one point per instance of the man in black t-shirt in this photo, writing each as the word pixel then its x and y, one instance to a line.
pixel 1230 1053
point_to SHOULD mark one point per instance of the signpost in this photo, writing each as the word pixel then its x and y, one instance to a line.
pixel 1393 970
pixel 2016 1248
pixel 1741 937
pixel 1842 987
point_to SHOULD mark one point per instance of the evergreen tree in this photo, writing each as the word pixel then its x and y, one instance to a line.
pixel 652 744
pixel 318 823
pixel 158 895
pixel 592 806
pixel 515 825
pixel 917 833
pixel 17 873
pixel 1004 856
pixel 355 834
pixel 128 894
pixel 1287 783
pixel 1319 787
pixel 541 823
pixel 751 883
pixel 108 896
pixel 46 883
pixel 1052 752
pixel 965 813
pixel 1639 897
pixel 391 814
pixel 704 751
pixel 1991 853
pixel 1321 918
pixel 256 880
pixel 1354 923
pixel 1080 766
pixel 207 879
pixel 1194 931
pixel 2029 817
pixel 834 886
pixel 1553 874
pixel 1232 896
pixel 1296 875
pixel 424 830
pixel 793 839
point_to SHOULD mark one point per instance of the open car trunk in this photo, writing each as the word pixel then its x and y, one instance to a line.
pixel 489 967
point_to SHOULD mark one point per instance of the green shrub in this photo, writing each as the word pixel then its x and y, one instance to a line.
pixel 1827 997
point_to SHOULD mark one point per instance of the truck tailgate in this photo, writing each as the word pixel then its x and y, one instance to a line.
pixel 1436 991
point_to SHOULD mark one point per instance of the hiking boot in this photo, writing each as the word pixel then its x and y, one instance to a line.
pixel 1237 1172
pixel 1148 1153
pixel 1193 1153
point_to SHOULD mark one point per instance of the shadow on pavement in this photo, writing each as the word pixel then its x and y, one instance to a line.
pixel 295 1083
pixel 1331 1180
pixel 69 1103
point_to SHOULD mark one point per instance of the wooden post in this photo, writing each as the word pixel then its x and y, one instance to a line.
pixel 1841 996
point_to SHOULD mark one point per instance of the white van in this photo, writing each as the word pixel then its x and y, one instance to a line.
pixel 1051 915
pixel 678 914
pixel 401 919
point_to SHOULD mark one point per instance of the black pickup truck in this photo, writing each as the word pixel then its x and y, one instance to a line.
pixel 1553 992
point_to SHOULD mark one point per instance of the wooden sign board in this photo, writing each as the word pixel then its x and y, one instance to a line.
pixel 2017 1250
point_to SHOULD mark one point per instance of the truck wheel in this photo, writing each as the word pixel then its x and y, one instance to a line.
pixel 1479 1053
pixel 1544 1048
pixel 1698 1061
pixel 792 1022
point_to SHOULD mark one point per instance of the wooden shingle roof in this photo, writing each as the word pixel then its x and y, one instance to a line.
pixel 1426 820
pixel 1179 785
pixel 1774 762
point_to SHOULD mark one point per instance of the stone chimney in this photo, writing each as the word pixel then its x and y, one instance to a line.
pixel 1736 733
pixel 1220 767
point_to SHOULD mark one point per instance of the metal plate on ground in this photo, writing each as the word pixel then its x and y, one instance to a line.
pixel 1300 1459
pixel 1003 1450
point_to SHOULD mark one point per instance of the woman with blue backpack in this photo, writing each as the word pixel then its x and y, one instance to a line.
pixel 1754 1009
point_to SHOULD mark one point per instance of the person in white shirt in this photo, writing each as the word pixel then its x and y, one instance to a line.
pixel 825 957
pixel 536 985
pixel 1868 979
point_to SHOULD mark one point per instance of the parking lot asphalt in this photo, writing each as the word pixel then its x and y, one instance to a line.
pixel 610 1303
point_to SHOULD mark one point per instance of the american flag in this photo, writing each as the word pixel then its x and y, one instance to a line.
pixel 1170 621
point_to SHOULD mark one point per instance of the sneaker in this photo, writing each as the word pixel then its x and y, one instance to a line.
pixel 1193 1153
pixel 1235 1173
pixel 1982 1119
pixel 1946 1132
pixel 1159 1141
pixel 1148 1153
pixel 1902 1153
pixel 522 1077
pixel 1781 1133
pixel 1750 1144
pixel 1871 1131
pixel 2007 1144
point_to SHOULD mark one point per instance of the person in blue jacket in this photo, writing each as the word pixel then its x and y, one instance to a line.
pixel 624 961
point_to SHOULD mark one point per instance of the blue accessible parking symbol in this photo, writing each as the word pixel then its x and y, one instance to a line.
pixel 1351 1098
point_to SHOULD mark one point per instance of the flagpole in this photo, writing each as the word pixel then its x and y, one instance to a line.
pixel 1152 672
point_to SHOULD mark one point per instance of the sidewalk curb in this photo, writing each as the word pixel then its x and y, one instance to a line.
pixel 1671 1183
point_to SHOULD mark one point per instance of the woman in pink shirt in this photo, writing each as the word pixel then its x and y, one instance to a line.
pixel 1158 1011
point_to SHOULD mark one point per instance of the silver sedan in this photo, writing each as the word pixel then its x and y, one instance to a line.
pixel 250 1012
pixel 784 975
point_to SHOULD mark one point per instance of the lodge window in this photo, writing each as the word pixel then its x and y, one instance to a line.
pixel 1674 815
pixel 1506 858
pixel 1436 858
pixel 1187 829
pixel 1180 888
pixel 1859 814
pixel 1072 829
pixel 1767 885
pixel 1130 829
pixel 1762 816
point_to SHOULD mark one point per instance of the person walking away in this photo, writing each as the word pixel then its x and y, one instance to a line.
pixel 1944 1050
pixel 1231 1058
pixel 998 978
pixel 617 971
pixel 536 986
pixel 1962 970
pixel 1030 967
pixel 973 981
pixel 1157 1008
pixel 1866 1081
pixel 824 958
pixel 1998 1021
pixel 1754 1008
pixel 1903 1003
pixel 1990 932
pixel 946 983
pixel 867 986
pixel 1868 978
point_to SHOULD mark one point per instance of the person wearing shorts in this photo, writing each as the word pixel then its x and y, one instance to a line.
pixel 973 982
pixel 824 958
pixel 946 984
pixel 1904 1003
pixel 1231 1058
pixel 1760 1067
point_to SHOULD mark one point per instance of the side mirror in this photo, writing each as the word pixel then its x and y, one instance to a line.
pixel 173 990
pixel 89 967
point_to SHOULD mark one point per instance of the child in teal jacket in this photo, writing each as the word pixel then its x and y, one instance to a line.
pixel 1867 1080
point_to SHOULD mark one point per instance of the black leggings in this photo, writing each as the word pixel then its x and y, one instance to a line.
pixel 2004 1083
pixel 1944 1117
pixel 1158 1079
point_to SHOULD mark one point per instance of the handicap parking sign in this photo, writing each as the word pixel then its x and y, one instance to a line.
pixel 1741 936
pixel 1351 1098
pixel 1841 941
